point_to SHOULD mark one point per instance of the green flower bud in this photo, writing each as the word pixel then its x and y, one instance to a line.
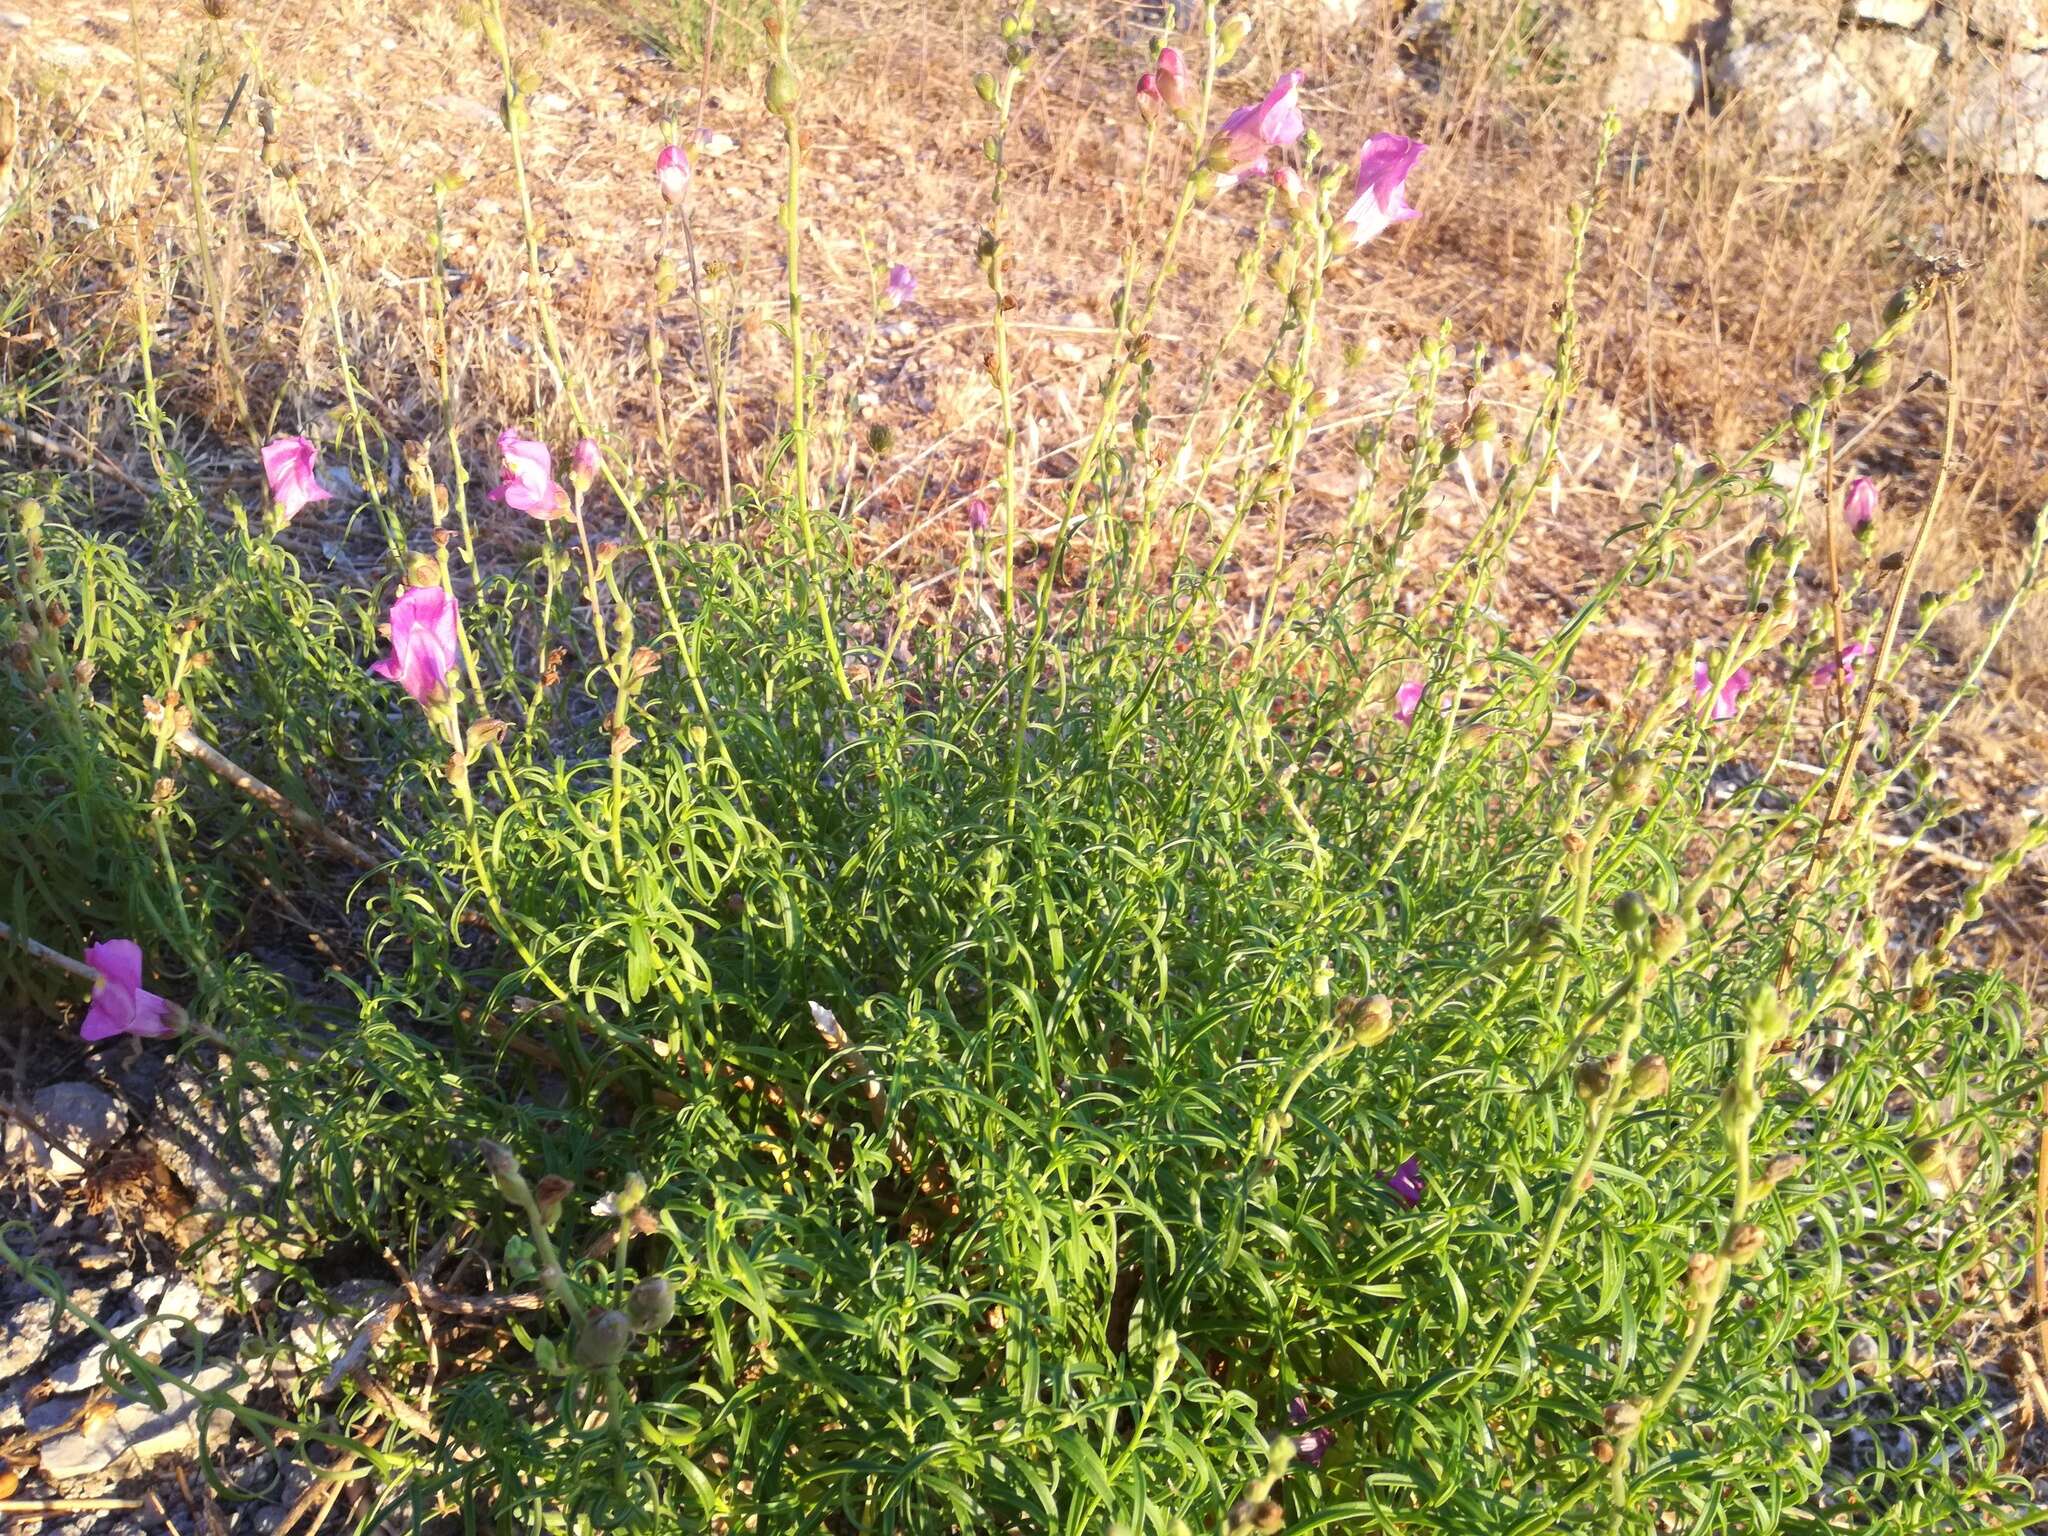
pixel 504 1169
pixel 985 87
pixel 1230 37
pixel 1631 912
pixel 1368 1020
pixel 783 92
pixel 650 1305
pixel 603 1341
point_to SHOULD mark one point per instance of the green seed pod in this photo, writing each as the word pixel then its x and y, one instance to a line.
pixel 29 515
pixel 1902 305
pixel 1592 1080
pixel 783 92
pixel 1631 777
pixel 1631 912
pixel 650 1305
pixel 603 1341
pixel 1873 368
pixel 1368 1020
pixel 985 87
pixel 1650 1078
pixel 881 437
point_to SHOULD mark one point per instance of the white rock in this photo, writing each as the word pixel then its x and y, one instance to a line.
pixel 183 1305
pixel 1894 13
pixel 1804 96
pixel 2000 119
pixel 1657 21
pixel 24 1336
pixel 137 1433
pixel 81 1121
pixel 2023 23
pixel 14 21
pixel 1894 67
pixel 1651 77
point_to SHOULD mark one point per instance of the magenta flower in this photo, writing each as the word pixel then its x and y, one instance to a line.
pixel 672 173
pixel 1405 1182
pixel 1730 693
pixel 1249 132
pixel 1845 664
pixel 529 485
pixel 1406 697
pixel 1383 167
pixel 1313 1445
pixel 1148 96
pixel 426 647
pixel 977 516
pixel 584 464
pixel 1172 82
pixel 1859 503
pixel 119 1005
pixel 292 465
pixel 901 285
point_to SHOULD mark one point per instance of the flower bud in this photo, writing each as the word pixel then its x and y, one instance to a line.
pixel 1230 37
pixel 584 464
pixel 1631 912
pixel 1873 368
pixel 782 93
pixel 985 87
pixel 1745 1242
pixel 603 1341
pixel 549 1194
pixel 650 1305
pixel 1650 1078
pixel 1368 1020
pixel 1592 1080
pixel 504 1169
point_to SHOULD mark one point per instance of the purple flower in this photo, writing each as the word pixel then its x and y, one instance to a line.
pixel 426 647
pixel 119 1005
pixel 672 173
pixel 1315 1443
pixel 1148 96
pixel 1405 1182
pixel 1730 693
pixel 1859 503
pixel 291 465
pixel 977 516
pixel 1249 132
pixel 528 485
pixel 1382 201
pixel 901 285
pixel 1406 697
pixel 1845 664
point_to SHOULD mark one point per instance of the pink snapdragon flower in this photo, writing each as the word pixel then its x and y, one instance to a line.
pixel 1250 132
pixel 1845 664
pixel 584 464
pixel 1405 1182
pixel 1406 698
pixel 529 484
pixel 672 174
pixel 977 516
pixel 292 466
pixel 1382 201
pixel 426 646
pixel 1730 693
pixel 1859 504
pixel 1172 80
pixel 119 1004
pixel 1149 99
pixel 901 285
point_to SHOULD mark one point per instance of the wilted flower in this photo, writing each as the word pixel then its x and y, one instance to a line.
pixel 291 464
pixel 1406 697
pixel 1406 1182
pixel 901 285
pixel 1287 180
pixel 1382 201
pixel 119 1004
pixel 1312 1445
pixel 529 484
pixel 1172 79
pixel 1249 132
pixel 425 645
pixel 1730 692
pixel 672 172
pixel 1859 503
pixel 977 516
pixel 1845 664
pixel 584 464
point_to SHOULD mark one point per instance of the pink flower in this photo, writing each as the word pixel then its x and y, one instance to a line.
pixel 1845 664
pixel 291 465
pixel 977 516
pixel 119 1005
pixel 1731 691
pixel 1405 1182
pixel 1249 132
pixel 1288 180
pixel 1859 503
pixel 584 464
pixel 1406 697
pixel 1383 167
pixel 1172 83
pixel 426 647
pixel 1148 96
pixel 672 173
pixel 901 285
pixel 528 485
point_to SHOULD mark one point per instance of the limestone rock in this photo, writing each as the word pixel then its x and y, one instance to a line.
pixel 1651 77
pixel 1801 93
pixel 1896 68
pixel 1658 21
pixel 1894 13
pixel 226 1154
pixel 137 1433
pixel 1764 21
pixel 81 1121
pixel 1999 119
pixel 2022 23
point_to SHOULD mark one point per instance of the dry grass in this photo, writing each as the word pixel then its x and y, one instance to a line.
pixel 1718 271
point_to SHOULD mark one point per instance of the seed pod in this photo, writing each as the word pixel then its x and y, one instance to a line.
pixel 1702 1274
pixel 783 92
pixel 549 1194
pixel 985 87
pixel 1650 1078
pixel 1631 777
pixel 1782 1167
pixel 1592 1080
pixel 650 1305
pixel 603 1341
pixel 504 1169
pixel 1745 1242
pixel 1369 1020
pixel 1631 912
pixel 1624 1417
